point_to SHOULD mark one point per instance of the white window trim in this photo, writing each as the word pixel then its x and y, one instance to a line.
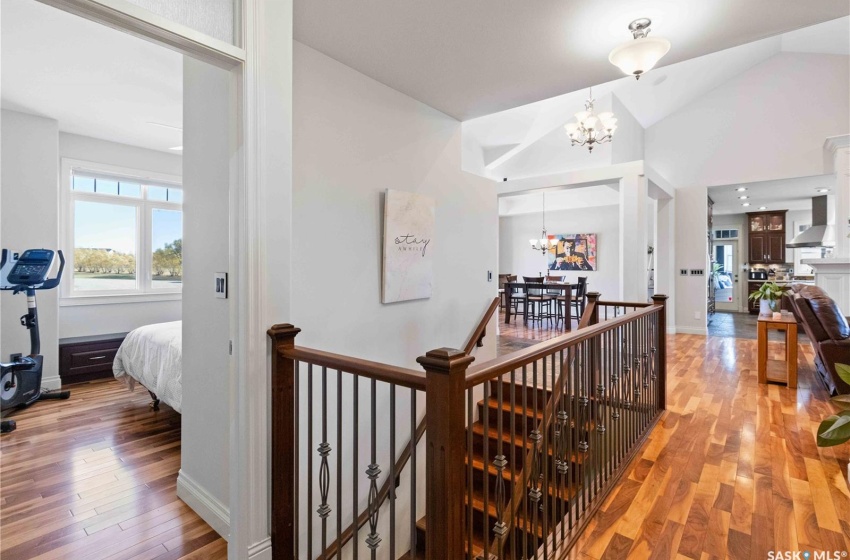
pixel 67 295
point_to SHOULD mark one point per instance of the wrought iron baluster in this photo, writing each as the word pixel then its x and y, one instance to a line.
pixel 545 467
pixel 413 535
pixel 373 471
pixel 500 529
pixel 535 437
pixel 338 464
pixel 514 469
pixel 355 471
pixel 470 419
pixel 324 450
pixel 525 426
pixel 309 460
pixel 393 474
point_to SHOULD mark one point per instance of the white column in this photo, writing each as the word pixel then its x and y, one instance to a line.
pixel 633 238
pixel 837 149
pixel 665 253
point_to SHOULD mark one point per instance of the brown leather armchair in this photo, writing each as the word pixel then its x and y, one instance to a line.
pixel 828 331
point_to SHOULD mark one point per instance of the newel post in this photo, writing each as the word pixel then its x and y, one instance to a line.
pixel 592 300
pixel 284 446
pixel 661 300
pixel 445 476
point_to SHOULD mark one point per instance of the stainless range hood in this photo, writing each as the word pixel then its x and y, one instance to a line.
pixel 820 234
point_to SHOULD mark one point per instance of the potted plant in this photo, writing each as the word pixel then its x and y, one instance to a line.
pixel 835 430
pixel 768 297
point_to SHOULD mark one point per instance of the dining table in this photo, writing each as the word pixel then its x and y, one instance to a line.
pixel 565 288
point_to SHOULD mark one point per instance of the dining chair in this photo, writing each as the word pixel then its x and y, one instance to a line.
pixel 562 298
pixel 503 278
pixel 577 300
pixel 519 297
pixel 538 300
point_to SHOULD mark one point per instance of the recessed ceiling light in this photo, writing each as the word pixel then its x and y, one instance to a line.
pixel 177 148
pixel 762 207
pixel 741 189
pixel 823 190
pixel 745 197
pixel 745 204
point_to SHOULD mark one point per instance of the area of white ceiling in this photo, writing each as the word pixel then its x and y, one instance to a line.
pixel 476 57
pixel 92 79
pixel 566 199
pixel 660 93
pixel 784 194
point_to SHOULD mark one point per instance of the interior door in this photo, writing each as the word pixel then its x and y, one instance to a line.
pixel 727 292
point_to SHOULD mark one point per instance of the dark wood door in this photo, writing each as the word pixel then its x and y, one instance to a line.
pixel 776 248
pixel 758 247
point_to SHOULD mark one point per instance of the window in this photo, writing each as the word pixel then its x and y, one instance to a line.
pixel 122 232
pixel 726 234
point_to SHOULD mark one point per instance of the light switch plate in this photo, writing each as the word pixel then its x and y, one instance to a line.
pixel 221 285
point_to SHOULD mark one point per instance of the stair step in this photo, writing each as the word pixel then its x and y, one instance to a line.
pixel 479 432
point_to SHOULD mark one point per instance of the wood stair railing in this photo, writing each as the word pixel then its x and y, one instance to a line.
pixel 476 339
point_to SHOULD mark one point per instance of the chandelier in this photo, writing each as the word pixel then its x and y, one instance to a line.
pixel 591 129
pixel 639 56
pixel 544 243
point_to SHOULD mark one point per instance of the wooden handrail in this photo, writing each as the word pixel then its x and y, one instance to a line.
pixel 473 341
pixel 624 304
pixel 406 377
pixel 481 373
pixel 479 332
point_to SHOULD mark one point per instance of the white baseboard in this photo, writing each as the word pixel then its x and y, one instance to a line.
pixel 261 550
pixel 209 508
pixel 692 330
pixel 53 383
pixel 671 329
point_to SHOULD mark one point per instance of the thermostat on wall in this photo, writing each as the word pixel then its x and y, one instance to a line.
pixel 221 285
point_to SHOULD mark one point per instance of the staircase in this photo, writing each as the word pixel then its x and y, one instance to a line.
pixel 527 534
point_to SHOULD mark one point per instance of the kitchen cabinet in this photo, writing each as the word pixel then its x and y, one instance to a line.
pixel 753 306
pixel 767 237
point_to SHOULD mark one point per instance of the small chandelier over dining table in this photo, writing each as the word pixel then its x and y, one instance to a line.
pixel 591 129
pixel 544 243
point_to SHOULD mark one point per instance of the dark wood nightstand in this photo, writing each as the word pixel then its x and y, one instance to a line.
pixel 85 358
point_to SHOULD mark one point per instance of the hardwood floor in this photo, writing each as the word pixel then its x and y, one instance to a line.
pixel 732 470
pixel 94 477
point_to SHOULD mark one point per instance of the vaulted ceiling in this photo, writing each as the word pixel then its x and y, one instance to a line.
pixel 477 57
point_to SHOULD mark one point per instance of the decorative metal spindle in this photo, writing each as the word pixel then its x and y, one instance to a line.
pixel 393 484
pixel 545 467
pixel 485 475
pixel 309 460
pixel 500 528
pixel 338 464
pixel 534 494
pixel 470 419
pixel 355 471
pixel 570 404
pixel 514 469
pixel 413 538
pixel 373 471
pixel 324 450
pixel 525 425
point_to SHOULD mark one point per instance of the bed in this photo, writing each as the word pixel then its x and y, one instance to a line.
pixel 152 356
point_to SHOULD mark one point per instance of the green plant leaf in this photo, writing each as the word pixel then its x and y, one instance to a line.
pixel 843 372
pixel 835 430
pixel 842 401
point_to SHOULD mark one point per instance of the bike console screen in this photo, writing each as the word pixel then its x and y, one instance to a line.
pixel 32 268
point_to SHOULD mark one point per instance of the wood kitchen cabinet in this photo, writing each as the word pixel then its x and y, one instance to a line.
pixel 767 237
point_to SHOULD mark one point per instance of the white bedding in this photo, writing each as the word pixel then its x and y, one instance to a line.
pixel 153 356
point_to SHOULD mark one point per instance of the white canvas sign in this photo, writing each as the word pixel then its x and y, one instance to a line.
pixel 408 246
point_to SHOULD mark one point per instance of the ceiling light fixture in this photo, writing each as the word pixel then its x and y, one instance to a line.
pixel 741 189
pixel 177 148
pixel 823 190
pixel 745 204
pixel 544 243
pixel 762 207
pixel 641 55
pixel 745 197
pixel 591 129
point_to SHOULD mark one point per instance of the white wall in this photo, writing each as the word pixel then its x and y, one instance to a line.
pixel 205 450
pixel 768 123
pixel 516 257
pixel 691 252
pixel 354 138
pixel 85 320
pixel 29 220
pixel 628 142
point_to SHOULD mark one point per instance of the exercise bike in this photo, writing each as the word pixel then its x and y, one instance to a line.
pixel 20 379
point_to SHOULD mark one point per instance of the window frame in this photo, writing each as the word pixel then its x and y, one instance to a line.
pixel 144 217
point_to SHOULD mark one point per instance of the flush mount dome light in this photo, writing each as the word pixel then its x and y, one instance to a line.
pixel 641 55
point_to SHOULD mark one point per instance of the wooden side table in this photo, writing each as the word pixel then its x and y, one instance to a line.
pixel 780 371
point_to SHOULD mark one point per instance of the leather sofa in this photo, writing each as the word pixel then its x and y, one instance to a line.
pixel 828 331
